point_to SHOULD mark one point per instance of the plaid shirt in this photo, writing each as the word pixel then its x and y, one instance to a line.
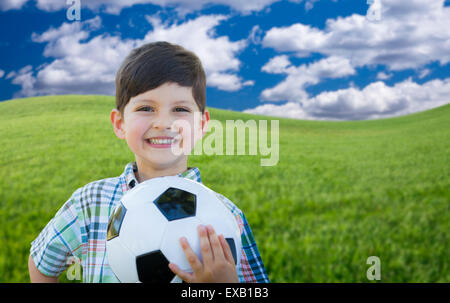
pixel 79 230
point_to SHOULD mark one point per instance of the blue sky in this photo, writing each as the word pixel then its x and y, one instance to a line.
pixel 303 59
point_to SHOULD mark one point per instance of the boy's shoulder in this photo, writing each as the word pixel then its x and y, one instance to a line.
pixel 100 188
pixel 110 186
pixel 99 193
pixel 103 192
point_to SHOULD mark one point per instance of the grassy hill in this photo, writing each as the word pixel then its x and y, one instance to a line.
pixel 341 191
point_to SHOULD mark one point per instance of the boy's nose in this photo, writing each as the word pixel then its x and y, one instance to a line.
pixel 162 122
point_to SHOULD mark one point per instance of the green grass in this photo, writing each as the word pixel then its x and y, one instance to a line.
pixel 341 191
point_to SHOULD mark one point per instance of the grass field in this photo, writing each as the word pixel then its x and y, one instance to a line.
pixel 341 191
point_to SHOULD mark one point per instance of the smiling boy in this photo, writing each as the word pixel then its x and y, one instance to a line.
pixel 160 87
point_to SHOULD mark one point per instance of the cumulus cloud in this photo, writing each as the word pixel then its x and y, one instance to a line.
pixel 23 77
pixel 115 6
pixel 218 54
pixel 83 66
pixel 376 100
pixel 79 67
pixel 223 81
pixel 408 35
pixel 11 4
pixel 298 78
pixel 383 76
pixel 182 6
pixel 68 29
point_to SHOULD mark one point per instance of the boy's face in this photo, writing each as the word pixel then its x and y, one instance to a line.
pixel 166 111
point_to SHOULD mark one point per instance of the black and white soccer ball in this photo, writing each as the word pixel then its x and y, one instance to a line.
pixel 146 225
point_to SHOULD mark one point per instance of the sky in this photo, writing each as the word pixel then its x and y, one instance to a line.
pixel 301 59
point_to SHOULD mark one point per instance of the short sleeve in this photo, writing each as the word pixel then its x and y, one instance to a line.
pixel 57 241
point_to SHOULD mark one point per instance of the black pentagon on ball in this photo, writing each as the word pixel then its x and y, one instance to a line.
pixel 115 222
pixel 176 204
pixel 153 267
pixel 230 242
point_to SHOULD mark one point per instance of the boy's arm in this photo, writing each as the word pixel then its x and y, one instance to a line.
pixel 251 265
pixel 36 276
pixel 59 239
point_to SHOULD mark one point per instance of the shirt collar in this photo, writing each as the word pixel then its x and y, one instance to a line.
pixel 192 173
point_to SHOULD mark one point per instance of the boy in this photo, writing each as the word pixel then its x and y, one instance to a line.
pixel 159 88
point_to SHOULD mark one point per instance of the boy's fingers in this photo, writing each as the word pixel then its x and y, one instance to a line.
pixel 185 276
pixel 226 249
pixel 192 258
pixel 205 246
pixel 215 244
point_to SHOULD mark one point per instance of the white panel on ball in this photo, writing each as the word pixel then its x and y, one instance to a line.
pixel 171 246
pixel 145 219
pixel 117 253
pixel 211 210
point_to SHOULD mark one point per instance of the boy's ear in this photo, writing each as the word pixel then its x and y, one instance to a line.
pixel 205 121
pixel 117 122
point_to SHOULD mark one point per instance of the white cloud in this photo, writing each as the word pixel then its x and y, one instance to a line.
pixel 288 110
pixel 409 35
pixel 24 77
pixel 79 67
pixel 2 73
pixel 83 66
pixel 298 78
pixel 277 65
pixel 376 100
pixel 69 29
pixel 218 54
pixel 182 6
pixel 11 4
pixel 249 83
pixel 223 81
pixel 115 6
pixel 383 76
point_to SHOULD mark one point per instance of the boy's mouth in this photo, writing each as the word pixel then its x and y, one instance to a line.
pixel 161 142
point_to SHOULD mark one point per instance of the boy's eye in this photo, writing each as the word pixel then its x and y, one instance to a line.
pixel 149 108
pixel 181 109
pixel 144 108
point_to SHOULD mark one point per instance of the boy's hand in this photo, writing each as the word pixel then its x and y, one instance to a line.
pixel 218 263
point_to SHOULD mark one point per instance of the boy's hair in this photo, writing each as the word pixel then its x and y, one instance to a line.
pixel 153 64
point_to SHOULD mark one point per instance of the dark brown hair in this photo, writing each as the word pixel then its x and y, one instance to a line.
pixel 153 64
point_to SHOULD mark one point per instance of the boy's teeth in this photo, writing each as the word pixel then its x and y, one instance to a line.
pixel 161 141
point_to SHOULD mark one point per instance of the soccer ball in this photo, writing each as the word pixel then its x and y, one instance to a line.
pixel 146 225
